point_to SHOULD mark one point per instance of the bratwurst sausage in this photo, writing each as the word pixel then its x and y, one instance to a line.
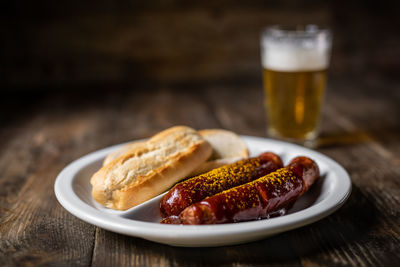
pixel 268 196
pixel 197 188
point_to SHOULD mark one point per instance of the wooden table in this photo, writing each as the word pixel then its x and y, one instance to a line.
pixel 360 131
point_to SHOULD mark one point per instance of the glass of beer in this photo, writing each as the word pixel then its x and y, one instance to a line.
pixel 295 62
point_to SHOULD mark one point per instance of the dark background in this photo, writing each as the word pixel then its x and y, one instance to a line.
pixel 65 57
pixel 131 45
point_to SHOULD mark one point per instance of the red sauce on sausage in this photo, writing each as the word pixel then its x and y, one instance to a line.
pixel 262 198
pixel 198 188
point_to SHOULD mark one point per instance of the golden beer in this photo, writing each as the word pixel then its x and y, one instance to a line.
pixel 295 63
pixel 293 102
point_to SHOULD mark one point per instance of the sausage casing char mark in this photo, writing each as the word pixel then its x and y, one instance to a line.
pixel 197 188
pixel 265 197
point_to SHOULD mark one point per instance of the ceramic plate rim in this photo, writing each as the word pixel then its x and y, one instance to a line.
pixel 161 232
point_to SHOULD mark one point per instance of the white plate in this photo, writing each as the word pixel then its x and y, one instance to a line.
pixel 73 191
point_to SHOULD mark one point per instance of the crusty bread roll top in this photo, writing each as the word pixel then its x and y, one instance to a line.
pixel 227 146
pixel 149 168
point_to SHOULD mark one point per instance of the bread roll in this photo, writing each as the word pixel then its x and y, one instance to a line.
pixel 149 168
pixel 121 151
pixel 227 146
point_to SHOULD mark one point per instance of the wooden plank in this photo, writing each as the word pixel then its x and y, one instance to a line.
pixel 118 249
pixel 34 228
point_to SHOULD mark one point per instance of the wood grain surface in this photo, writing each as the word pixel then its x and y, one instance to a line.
pixel 69 88
pixel 36 230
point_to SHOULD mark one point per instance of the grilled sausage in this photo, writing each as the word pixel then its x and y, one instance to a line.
pixel 197 188
pixel 268 196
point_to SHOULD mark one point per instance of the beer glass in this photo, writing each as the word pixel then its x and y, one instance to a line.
pixel 295 62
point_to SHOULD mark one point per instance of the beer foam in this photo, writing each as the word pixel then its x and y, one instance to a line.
pixel 291 58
